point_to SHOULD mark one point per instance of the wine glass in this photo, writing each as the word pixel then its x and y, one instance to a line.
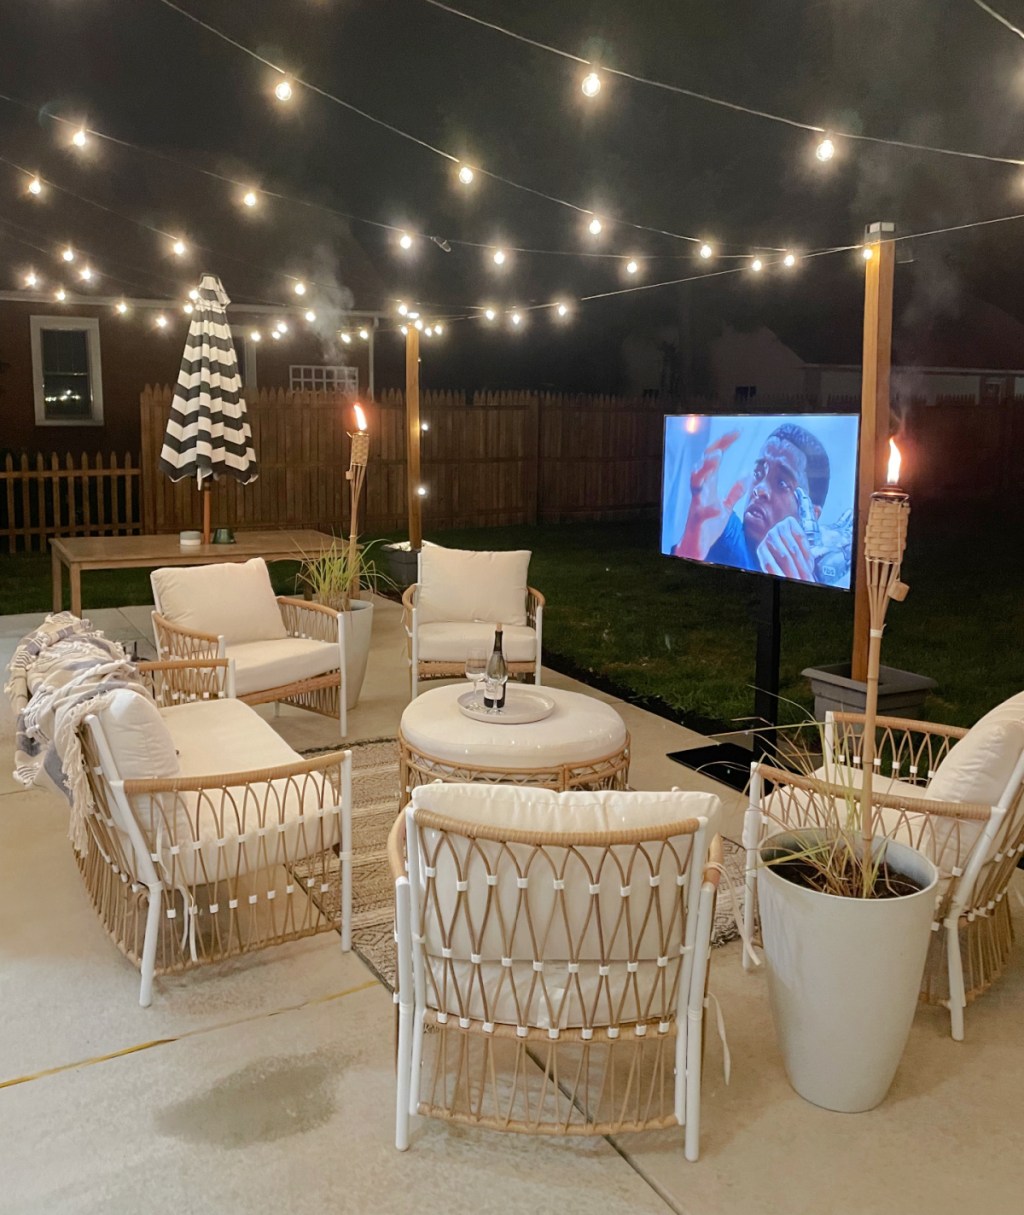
pixel 476 668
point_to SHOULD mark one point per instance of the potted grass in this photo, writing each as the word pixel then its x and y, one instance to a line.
pixel 337 578
pixel 846 913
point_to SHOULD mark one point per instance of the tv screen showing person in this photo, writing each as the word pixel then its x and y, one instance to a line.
pixel 769 493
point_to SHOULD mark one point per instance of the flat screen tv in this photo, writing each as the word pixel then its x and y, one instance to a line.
pixel 773 494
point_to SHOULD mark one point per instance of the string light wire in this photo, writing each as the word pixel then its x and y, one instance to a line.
pixel 1000 18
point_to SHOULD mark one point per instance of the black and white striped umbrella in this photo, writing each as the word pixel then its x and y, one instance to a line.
pixel 208 432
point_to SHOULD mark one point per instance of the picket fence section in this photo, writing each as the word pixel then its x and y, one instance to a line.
pixel 43 496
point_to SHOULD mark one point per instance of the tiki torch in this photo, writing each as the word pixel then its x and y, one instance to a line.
pixel 885 540
pixel 359 441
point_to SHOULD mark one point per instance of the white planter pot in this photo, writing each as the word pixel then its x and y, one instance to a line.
pixel 358 624
pixel 843 977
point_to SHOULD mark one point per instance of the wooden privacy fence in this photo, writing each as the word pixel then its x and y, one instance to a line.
pixel 43 496
pixel 487 459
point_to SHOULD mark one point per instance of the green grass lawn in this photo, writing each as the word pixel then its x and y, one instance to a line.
pixel 682 638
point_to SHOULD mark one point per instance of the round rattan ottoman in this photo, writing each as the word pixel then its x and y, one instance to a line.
pixel 583 744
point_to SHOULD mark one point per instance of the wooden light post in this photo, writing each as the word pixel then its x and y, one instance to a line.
pixel 412 435
pixel 874 414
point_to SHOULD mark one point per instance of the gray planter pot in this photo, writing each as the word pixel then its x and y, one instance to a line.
pixel 403 564
pixel 900 693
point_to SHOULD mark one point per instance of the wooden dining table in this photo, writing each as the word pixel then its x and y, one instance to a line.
pixel 78 553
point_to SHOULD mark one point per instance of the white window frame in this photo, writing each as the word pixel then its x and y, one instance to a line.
pixel 328 379
pixel 91 326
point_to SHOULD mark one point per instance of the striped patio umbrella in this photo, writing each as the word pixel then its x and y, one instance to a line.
pixel 208 433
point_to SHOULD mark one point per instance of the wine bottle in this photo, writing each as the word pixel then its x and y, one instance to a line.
pixel 497 675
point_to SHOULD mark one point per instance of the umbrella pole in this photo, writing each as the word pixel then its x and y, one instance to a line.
pixel 205 495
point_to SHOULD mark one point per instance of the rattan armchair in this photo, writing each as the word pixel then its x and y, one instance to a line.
pixel 290 651
pixel 975 845
pixel 212 854
pixel 557 945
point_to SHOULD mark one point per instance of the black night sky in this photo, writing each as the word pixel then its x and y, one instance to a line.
pixel 915 70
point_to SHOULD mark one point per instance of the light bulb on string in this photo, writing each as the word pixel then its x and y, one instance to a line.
pixel 68 254
pixel 825 150
pixel 867 253
pixel 466 175
pixel 489 314
pixel 85 274
pixel 404 330
pixel 757 265
pixel 311 316
pixel 283 90
pixel 299 288
pixel 424 427
pixel 429 331
pixel 706 251
pixel 31 279
pixel 418 324
pixel 179 248
pixel 403 309
pixel 591 84
pixel 121 307
pixel 80 139
pixel 60 295
pixel 594 227
pixel 516 318
pixel 161 321
pixel 421 491
pixel 632 266
pixel 276 335
pixel 413 315
pixel 789 260
pixel 405 240
pixel 364 334
pixel 188 309
pixel 438 328
pixel 255 335
pixel 35 186
pixel 562 309
pixel 249 198
pixel 499 257
pixel 347 339
pixel 281 327
pixel 193 295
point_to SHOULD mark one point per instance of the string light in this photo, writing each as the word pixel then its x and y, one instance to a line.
pixel 594 227
pixel 35 186
pixel 424 427
pixel 276 335
pixel 466 175
pixel 413 315
pixel 193 294
pixel 255 335
pixel 161 321
pixel 311 316
pixel 299 288
pixel 121 307
pixel 283 90
pixel 418 324
pixel 825 150
pixel 80 139
pixel 438 328
pixel 405 330
pixel 403 309
pixel 68 254
pixel 868 253
pixel 31 279
pixel 499 257
pixel 789 260
pixel 405 240
pixel 516 318
pixel 562 309
pixel 429 331
pixel 489 314
pixel 60 295
pixel 591 84
pixel 249 198
pixel 281 327
pixel 757 265
pixel 706 251
pixel 188 309
pixel 364 334
pixel 347 339
pixel 85 274
pixel 632 266
pixel 421 491
pixel 179 248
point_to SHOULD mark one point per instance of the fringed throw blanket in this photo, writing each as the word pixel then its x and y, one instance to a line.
pixel 55 673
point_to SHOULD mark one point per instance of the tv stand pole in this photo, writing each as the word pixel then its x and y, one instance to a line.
pixel 766 672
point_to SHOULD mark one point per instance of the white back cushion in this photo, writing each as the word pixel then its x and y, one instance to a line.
pixel 978 767
pixel 456 584
pixel 139 741
pixel 233 599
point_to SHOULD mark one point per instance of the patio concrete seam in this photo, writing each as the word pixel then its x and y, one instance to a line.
pixel 642 1173
pixel 184 1036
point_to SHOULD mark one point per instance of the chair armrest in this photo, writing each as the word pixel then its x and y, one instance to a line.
pixel 716 858
pixel 534 601
pixel 408 605
pixel 909 724
pixel 909 749
pixel 177 680
pixel 303 618
pixel 396 848
pixel 175 642
pixel 226 781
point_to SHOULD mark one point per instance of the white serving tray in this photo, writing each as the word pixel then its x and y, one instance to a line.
pixel 522 705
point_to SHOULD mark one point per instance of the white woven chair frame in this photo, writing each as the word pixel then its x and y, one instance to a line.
pixel 475 965
pixel 416 767
pixel 974 931
pixel 187 871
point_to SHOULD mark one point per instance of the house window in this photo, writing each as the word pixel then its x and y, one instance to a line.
pixel 320 378
pixel 66 372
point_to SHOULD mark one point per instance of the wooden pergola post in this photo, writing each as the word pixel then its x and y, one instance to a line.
pixel 879 272
pixel 412 435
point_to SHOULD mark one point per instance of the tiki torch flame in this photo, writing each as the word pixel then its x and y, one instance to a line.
pixel 893 474
pixel 361 420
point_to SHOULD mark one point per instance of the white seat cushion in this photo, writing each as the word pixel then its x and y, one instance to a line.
pixel 260 665
pixel 456 584
pixel 233 600
pixel 450 642
pixel 223 736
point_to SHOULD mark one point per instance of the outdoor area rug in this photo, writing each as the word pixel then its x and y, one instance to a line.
pixel 375 798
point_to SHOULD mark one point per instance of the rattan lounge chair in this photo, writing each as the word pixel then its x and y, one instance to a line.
pixel 558 945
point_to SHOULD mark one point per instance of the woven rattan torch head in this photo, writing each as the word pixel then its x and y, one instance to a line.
pixel 360 447
pixel 886 536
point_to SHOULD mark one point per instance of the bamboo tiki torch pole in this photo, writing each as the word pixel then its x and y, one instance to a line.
pixel 879 271
pixel 359 447
pixel 412 435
